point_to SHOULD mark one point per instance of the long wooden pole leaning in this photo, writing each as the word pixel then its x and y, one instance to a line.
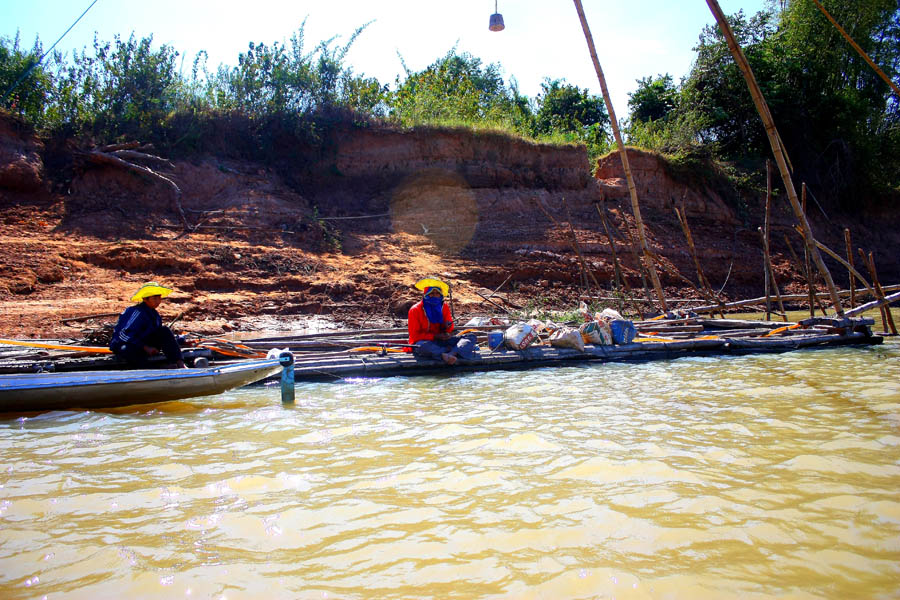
pixel 874 304
pixel 621 281
pixel 586 274
pixel 767 236
pixel 846 264
pixel 775 141
pixel 767 265
pixel 881 308
pixel 850 262
pixel 632 190
pixel 639 264
pixel 771 284
pixel 810 279
pixel 814 298
pixel 675 273
pixel 859 50
pixel 888 319
pixel 701 277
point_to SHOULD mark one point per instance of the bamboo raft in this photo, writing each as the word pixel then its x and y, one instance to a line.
pixel 732 338
pixel 379 352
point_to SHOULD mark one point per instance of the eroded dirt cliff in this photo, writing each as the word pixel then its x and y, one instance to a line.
pixel 341 234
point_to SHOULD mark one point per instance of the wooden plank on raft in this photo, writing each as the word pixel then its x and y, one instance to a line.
pixel 794 343
pixel 730 341
pixel 740 324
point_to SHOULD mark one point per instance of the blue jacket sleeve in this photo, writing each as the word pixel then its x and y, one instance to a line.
pixel 133 327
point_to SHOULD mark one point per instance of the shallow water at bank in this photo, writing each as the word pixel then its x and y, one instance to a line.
pixel 734 477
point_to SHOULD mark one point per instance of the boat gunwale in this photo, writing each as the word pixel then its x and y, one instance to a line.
pixel 81 379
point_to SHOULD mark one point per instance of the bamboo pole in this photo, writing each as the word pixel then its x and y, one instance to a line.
pixel 682 220
pixel 586 275
pixel 881 307
pixel 787 297
pixel 492 303
pixel 750 301
pixel 877 284
pixel 771 284
pixel 675 273
pixel 850 261
pixel 651 301
pixel 632 190
pixel 800 269
pixel 887 318
pixel 767 265
pixel 874 304
pixel 617 271
pixel 621 281
pixel 701 276
pixel 778 295
pixel 859 50
pixel 849 267
pixel 577 246
pixel 777 147
pixel 809 276
pixel 767 236
pixel 632 244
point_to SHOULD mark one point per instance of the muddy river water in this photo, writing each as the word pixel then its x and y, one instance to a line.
pixel 772 476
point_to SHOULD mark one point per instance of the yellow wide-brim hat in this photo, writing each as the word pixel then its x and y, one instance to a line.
pixel 424 284
pixel 150 289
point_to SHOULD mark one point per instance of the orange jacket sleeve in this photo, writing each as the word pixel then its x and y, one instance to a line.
pixel 421 329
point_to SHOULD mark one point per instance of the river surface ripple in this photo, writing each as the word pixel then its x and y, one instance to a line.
pixel 737 477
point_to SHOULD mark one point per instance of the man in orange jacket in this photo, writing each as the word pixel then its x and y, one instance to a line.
pixel 430 325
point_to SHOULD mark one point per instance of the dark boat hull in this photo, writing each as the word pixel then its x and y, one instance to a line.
pixel 30 392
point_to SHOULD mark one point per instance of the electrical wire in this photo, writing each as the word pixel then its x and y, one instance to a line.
pixel 44 55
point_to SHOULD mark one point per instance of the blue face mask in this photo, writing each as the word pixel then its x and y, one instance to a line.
pixel 434 309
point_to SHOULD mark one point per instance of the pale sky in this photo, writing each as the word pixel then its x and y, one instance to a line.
pixel 543 38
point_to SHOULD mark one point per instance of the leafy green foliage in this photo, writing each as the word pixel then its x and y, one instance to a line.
pixel 839 121
pixel 837 118
pixel 715 91
pixel 654 99
pixel 275 79
pixel 457 88
pixel 24 84
pixel 123 89
pixel 566 109
pixel 129 89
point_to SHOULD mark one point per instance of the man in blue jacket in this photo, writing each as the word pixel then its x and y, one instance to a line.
pixel 140 334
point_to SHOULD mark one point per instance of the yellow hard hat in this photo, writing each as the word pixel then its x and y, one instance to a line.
pixel 150 289
pixel 428 282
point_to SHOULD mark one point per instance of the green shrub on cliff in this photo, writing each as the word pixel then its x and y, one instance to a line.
pixel 838 120
pixel 26 87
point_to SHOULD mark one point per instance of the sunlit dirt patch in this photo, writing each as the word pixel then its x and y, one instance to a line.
pixel 438 205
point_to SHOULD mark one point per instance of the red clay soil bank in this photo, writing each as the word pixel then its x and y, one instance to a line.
pixel 342 236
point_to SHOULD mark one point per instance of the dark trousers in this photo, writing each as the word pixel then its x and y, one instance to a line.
pixel 161 338
pixel 463 347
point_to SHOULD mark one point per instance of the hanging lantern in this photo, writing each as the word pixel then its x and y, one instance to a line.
pixel 496 23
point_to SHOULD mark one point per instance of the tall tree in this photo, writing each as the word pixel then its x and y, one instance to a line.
pixel 564 108
pixel 654 99
pixel 715 91
pixel 837 119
